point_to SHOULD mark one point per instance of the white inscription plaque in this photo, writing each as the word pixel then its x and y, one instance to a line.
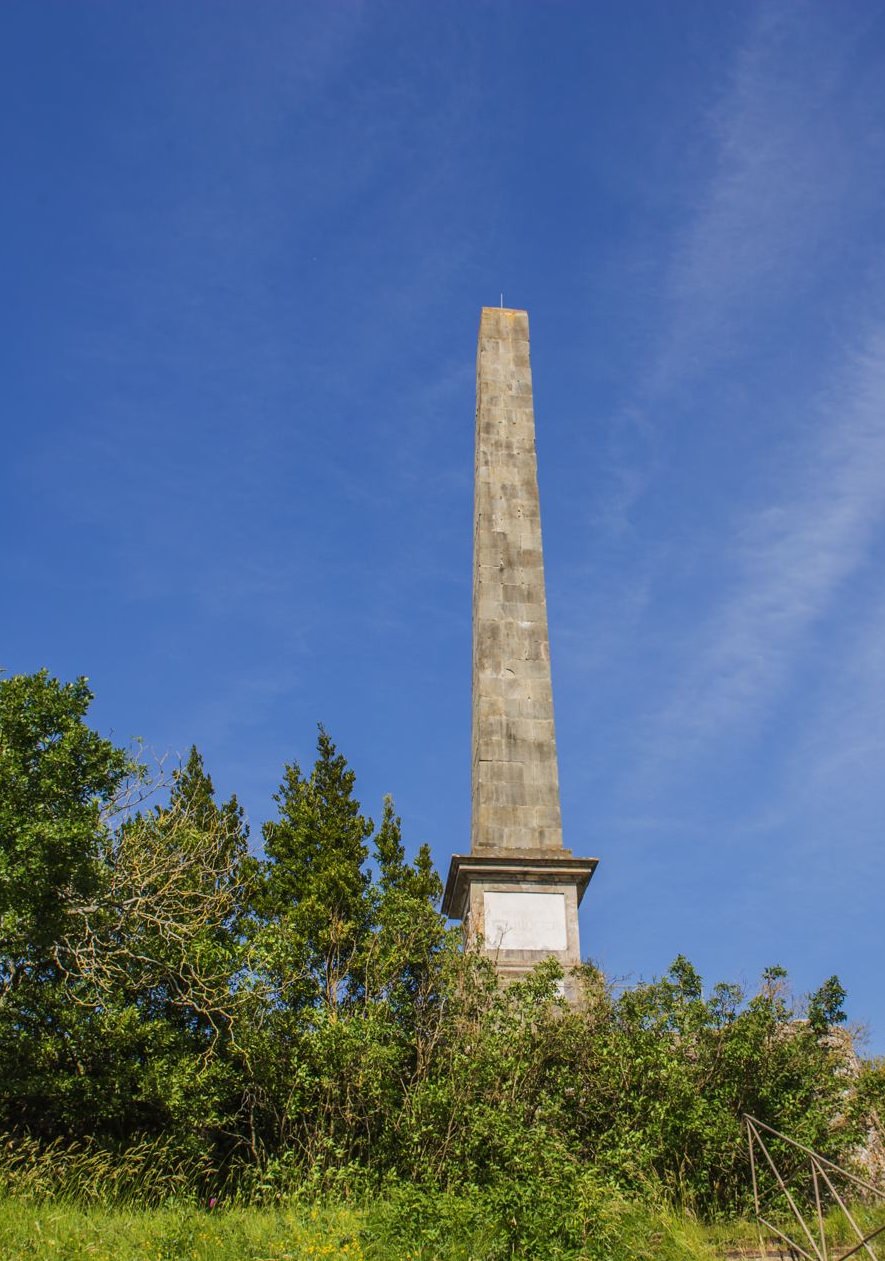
pixel 525 921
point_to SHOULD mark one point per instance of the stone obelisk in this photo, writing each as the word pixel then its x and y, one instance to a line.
pixel 518 890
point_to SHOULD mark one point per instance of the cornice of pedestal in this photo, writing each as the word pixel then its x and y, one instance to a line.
pixel 518 867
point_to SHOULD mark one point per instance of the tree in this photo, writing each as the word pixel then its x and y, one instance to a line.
pixel 349 937
pixel 163 924
pixel 192 803
pixel 121 944
pixel 57 777
pixel 193 795
pixel 403 960
pixel 156 966
pixel 314 894
pixel 826 1006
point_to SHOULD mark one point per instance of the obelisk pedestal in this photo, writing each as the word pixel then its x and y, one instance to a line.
pixel 518 890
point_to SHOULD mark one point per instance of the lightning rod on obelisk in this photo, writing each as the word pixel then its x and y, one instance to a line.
pixel 518 890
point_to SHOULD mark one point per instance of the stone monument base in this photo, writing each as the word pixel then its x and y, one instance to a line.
pixel 523 908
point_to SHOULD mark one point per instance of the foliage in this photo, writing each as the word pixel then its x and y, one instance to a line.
pixel 825 1006
pixel 181 1232
pixel 180 1015
pixel 149 1172
pixel 406 1225
pixel 56 775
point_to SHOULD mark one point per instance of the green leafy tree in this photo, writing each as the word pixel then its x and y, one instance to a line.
pixel 57 780
pixel 193 796
pixel 826 1006
pixel 350 938
pixel 314 895
pixel 122 950
pixel 59 783
pixel 408 929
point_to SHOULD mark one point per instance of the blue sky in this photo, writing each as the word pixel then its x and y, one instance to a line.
pixel 244 248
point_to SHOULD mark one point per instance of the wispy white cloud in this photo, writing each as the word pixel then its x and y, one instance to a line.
pixel 791 556
pixel 787 166
pixel 794 162
pixel 844 742
pixel 789 174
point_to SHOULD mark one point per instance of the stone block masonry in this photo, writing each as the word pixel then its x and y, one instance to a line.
pixel 515 778
pixel 518 890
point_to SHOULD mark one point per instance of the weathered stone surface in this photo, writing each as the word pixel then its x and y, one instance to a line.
pixel 518 891
pixel 514 744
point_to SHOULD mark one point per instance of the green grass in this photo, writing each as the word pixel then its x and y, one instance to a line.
pixel 839 1234
pixel 68 1232
pixel 405 1227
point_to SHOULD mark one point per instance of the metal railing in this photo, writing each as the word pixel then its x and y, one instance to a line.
pixel 823 1172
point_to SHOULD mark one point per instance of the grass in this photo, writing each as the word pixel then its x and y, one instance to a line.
pixel 82 1201
pixel 68 1232
pixel 65 1231
pixel 408 1224
pixel 837 1228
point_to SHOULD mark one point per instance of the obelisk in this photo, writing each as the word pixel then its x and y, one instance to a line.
pixel 518 890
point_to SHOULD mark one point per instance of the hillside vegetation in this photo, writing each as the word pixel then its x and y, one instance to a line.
pixel 185 1023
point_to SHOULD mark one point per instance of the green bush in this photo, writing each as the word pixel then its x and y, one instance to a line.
pixel 182 1018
